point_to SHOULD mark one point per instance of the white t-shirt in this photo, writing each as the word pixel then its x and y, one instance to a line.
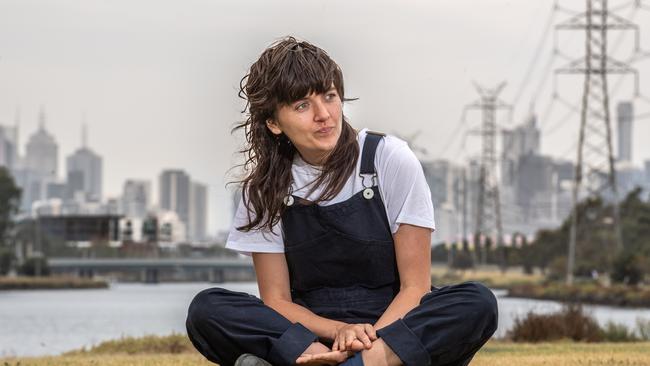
pixel 402 186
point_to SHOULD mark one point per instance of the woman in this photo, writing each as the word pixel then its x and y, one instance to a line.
pixel 338 223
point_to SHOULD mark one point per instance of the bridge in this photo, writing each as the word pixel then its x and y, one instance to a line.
pixel 152 270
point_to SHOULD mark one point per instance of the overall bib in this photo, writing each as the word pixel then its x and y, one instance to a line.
pixel 341 261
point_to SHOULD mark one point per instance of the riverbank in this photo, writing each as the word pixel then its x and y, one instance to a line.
pixel 49 283
pixel 176 350
pixel 490 276
pixel 537 287
pixel 586 293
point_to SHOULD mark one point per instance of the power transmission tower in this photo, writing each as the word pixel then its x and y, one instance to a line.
pixel 595 174
pixel 488 213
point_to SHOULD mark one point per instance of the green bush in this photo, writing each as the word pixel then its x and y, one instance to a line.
pixel 628 268
pixel 557 269
pixel 7 258
pixel 35 266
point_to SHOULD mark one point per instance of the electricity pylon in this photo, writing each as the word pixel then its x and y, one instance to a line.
pixel 488 212
pixel 595 168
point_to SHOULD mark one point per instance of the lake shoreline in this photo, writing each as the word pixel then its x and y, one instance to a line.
pixel 8 283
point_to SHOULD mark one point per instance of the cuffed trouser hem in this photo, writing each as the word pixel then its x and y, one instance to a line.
pixel 291 344
pixel 405 344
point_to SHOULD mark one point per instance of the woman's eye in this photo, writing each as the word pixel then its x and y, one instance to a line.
pixel 331 96
pixel 301 106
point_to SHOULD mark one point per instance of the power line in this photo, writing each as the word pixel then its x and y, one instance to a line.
pixel 533 62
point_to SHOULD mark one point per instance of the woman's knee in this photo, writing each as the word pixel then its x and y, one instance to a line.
pixel 205 305
pixel 482 306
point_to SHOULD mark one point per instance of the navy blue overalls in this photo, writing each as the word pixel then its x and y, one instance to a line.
pixel 341 261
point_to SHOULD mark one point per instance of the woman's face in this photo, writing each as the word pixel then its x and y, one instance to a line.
pixel 312 124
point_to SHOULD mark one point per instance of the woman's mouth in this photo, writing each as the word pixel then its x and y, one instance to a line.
pixel 324 131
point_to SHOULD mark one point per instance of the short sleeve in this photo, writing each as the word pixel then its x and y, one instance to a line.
pixel 253 241
pixel 405 191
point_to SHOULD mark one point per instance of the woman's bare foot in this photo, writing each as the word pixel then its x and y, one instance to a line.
pixel 380 355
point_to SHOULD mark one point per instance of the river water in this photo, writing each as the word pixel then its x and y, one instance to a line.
pixel 53 321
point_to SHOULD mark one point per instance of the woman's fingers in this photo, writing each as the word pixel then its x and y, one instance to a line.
pixel 363 337
pixel 350 336
pixel 370 331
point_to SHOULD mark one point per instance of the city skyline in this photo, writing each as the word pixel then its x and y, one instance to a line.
pixel 144 79
pixel 77 189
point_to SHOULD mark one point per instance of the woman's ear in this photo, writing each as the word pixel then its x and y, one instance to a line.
pixel 273 126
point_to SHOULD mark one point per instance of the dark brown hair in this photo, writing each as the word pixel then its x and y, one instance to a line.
pixel 285 72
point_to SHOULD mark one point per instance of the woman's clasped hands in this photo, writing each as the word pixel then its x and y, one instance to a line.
pixel 354 337
pixel 349 339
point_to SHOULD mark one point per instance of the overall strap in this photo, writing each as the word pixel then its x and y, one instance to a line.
pixel 368 154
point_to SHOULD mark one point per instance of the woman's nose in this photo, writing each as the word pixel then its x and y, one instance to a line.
pixel 320 111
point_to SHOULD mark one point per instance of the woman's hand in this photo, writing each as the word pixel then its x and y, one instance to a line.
pixel 354 337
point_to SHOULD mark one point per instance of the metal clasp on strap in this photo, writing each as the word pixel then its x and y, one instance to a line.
pixel 288 199
pixel 368 192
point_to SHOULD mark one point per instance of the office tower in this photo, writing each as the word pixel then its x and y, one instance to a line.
pixel 42 151
pixel 136 198
pixel 84 172
pixel 174 193
pixel 39 166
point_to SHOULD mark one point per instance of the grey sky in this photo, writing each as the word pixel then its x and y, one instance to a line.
pixel 158 80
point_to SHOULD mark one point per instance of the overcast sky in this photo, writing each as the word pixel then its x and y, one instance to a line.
pixel 158 80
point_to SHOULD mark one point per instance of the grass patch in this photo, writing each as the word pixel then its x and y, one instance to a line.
pixel 112 360
pixel 164 351
pixel 49 283
pixel 171 344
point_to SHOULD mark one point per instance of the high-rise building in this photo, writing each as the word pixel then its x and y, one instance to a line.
pixel 84 168
pixel 625 118
pixel 136 198
pixel 516 143
pixel 42 151
pixel 198 211
pixel 39 166
pixel 174 193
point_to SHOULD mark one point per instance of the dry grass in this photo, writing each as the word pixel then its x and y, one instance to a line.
pixel 563 354
pixel 495 353
pixel 112 360
pixel 488 275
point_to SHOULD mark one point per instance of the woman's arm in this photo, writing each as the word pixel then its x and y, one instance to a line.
pixel 273 281
pixel 413 255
